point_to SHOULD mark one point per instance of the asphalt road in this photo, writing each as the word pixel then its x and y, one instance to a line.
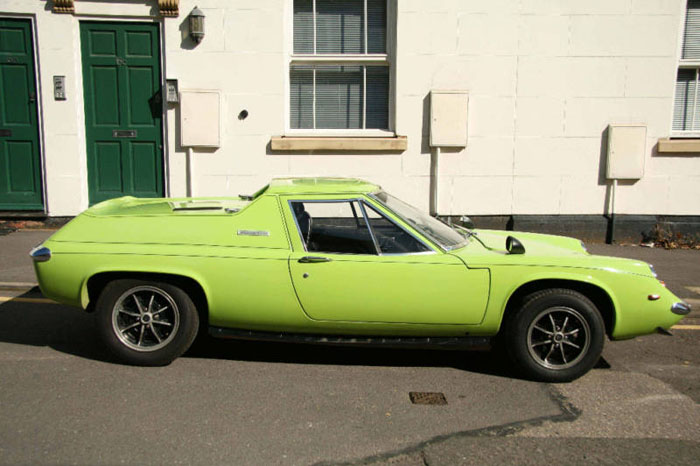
pixel 63 401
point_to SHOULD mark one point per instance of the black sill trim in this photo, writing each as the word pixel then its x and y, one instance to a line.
pixel 442 343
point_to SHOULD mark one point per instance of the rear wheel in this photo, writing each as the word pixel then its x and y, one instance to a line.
pixel 556 336
pixel 146 323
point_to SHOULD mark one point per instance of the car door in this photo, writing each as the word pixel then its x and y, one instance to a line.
pixel 353 263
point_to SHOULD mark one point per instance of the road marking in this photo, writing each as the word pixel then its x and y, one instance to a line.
pixel 4 299
pixel 694 303
pixel 685 327
pixel 18 285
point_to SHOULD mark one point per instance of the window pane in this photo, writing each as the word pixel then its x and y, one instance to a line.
pixel 301 97
pixel 336 227
pixel 428 226
pixel 683 101
pixel 340 26
pixel 303 26
pixel 376 26
pixel 691 39
pixel 378 97
pixel 392 239
pixel 339 97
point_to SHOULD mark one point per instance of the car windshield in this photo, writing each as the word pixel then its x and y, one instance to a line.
pixel 437 231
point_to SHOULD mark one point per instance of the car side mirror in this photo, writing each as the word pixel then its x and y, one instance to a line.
pixel 513 246
pixel 466 222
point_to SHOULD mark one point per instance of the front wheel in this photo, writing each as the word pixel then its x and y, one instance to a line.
pixel 556 336
pixel 146 323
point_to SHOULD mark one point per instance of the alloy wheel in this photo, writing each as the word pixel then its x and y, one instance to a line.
pixel 558 337
pixel 145 318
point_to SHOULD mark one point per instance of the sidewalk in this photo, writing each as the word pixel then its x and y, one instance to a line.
pixel 15 263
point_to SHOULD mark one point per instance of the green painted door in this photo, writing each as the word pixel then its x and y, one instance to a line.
pixel 20 164
pixel 123 109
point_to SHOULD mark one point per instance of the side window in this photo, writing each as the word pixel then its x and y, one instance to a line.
pixel 391 238
pixel 336 227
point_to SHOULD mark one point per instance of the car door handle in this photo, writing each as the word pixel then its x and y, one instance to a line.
pixel 314 259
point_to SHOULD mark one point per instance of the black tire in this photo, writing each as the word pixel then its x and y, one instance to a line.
pixel 545 349
pixel 146 323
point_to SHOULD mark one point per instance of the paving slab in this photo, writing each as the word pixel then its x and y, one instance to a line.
pixel 624 405
pixel 536 452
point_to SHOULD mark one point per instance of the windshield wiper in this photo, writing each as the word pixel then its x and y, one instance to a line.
pixel 467 231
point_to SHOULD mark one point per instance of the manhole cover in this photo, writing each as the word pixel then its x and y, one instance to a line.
pixel 427 398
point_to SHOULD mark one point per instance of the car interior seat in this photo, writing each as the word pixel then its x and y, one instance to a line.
pixel 303 219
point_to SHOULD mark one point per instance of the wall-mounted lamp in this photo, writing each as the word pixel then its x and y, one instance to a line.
pixel 197 25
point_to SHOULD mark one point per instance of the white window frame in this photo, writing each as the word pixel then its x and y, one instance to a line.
pixel 687 64
pixel 341 59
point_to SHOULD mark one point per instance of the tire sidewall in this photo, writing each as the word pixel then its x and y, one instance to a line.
pixel 517 334
pixel 185 333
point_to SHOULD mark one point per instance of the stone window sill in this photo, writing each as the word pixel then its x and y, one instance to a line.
pixel 679 146
pixel 294 143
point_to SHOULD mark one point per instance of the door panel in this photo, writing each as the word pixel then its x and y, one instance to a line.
pixel 429 289
pixel 20 163
pixel 122 81
pixel 108 166
pixel 106 107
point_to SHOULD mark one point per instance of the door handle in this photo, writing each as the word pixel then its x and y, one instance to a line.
pixel 314 259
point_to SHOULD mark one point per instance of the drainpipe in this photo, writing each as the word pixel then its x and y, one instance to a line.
pixel 190 173
pixel 434 180
pixel 611 237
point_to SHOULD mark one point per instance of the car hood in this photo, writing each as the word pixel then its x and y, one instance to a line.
pixel 535 243
pixel 488 248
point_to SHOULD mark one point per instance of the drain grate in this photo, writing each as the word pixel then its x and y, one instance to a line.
pixel 427 398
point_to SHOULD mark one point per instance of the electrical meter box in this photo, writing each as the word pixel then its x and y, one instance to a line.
pixel 448 118
pixel 200 120
pixel 626 150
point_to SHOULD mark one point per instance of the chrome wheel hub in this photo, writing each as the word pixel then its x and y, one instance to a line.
pixel 145 318
pixel 558 337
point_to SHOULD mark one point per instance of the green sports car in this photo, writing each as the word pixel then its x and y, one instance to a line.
pixel 340 261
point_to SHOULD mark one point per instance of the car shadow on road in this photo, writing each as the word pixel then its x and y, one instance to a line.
pixel 62 328
pixel 484 362
pixel 72 331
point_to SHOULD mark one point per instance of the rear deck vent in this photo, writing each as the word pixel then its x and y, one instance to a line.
pixel 196 205
pixel 427 398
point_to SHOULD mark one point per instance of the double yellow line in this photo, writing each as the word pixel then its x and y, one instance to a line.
pixel 4 299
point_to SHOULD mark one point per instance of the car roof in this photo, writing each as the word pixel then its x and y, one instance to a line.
pixel 320 185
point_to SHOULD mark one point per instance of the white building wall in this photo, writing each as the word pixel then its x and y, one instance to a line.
pixel 545 79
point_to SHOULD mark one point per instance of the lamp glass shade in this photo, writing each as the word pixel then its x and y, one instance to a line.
pixel 197 25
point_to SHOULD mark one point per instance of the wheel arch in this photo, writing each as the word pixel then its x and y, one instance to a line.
pixel 94 285
pixel 598 295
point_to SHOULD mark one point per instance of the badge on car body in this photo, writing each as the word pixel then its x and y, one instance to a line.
pixel 253 233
